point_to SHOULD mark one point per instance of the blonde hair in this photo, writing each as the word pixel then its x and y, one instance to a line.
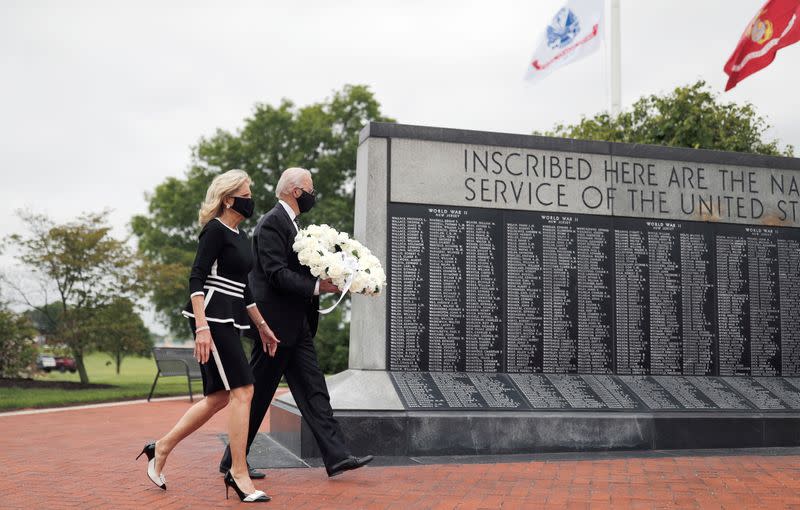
pixel 290 178
pixel 222 186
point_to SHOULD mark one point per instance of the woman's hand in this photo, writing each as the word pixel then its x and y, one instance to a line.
pixel 202 346
pixel 268 339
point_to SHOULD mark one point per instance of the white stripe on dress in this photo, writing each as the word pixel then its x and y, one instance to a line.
pixel 214 352
pixel 220 321
pixel 212 281
pixel 226 226
pixel 207 299
pixel 224 291
pixel 215 275
pixel 218 361
pixel 227 280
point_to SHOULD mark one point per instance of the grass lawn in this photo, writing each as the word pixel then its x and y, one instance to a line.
pixel 134 381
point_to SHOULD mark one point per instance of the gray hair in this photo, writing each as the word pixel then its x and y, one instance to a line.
pixel 290 178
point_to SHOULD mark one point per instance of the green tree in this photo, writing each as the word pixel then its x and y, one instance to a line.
pixel 45 319
pixel 87 267
pixel 17 348
pixel 117 330
pixel 689 116
pixel 322 137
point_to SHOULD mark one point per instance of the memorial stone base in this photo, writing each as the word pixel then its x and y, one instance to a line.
pixel 632 413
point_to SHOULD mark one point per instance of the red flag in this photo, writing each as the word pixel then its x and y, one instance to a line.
pixel 776 26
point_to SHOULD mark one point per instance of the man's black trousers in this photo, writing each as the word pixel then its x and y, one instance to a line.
pixel 307 383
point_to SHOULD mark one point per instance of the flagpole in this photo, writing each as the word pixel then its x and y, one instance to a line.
pixel 616 72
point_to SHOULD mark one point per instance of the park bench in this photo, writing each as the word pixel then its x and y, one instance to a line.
pixel 176 361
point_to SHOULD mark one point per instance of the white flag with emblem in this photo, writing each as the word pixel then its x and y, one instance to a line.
pixel 575 32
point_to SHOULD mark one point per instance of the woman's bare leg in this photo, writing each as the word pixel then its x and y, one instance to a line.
pixel 238 421
pixel 192 420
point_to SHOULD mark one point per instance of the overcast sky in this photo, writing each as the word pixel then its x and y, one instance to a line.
pixel 101 101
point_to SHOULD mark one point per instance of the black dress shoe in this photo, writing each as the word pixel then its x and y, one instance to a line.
pixel 254 474
pixel 347 464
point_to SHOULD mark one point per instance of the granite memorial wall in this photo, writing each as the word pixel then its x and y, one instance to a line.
pixel 591 276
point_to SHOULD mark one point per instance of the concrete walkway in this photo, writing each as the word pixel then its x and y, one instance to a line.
pixel 84 458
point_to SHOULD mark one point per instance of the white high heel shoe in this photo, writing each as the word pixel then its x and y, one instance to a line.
pixel 150 450
pixel 255 497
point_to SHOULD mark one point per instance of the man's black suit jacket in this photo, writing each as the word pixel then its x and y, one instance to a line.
pixel 281 286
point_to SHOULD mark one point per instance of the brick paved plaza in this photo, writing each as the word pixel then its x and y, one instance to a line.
pixel 84 458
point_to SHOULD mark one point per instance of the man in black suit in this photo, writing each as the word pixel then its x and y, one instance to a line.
pixel 288 297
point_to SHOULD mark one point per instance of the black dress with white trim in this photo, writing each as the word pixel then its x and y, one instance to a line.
pixel 219 273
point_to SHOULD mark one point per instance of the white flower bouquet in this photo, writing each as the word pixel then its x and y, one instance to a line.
pixel 334 255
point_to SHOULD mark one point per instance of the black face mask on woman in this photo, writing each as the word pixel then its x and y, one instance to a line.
pixel 244 206
pixel 305 201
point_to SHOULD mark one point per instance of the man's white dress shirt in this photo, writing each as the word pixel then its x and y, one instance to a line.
pixel 292 216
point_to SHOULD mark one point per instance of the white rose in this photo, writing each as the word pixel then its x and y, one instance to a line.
pixel 329 238
pixel 335 265
pixel 339 281
pixel 304 257
pixel 314 258
pixel 360 282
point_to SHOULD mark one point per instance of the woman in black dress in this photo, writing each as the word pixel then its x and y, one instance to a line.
pixel 220 303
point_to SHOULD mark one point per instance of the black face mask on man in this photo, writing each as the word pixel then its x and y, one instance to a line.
pixel 244 206
pixel 306 201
